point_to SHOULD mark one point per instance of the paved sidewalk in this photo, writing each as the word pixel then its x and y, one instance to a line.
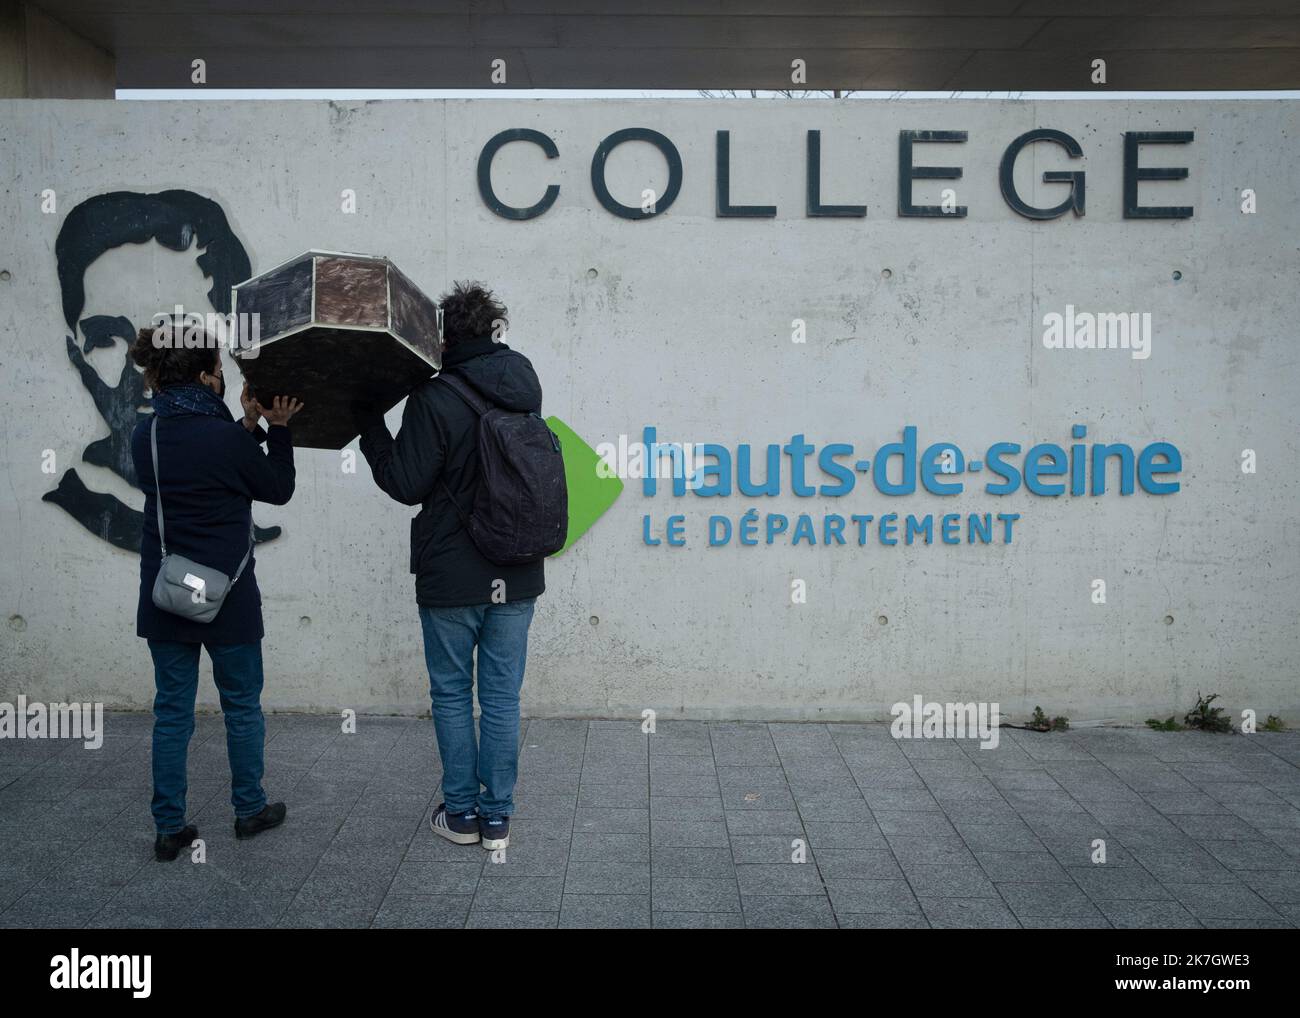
pixel 694 826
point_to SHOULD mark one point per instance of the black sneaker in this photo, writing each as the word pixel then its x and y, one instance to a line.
pixel 494 832
pixel 271 816
pixel 167 847
pixel 462 828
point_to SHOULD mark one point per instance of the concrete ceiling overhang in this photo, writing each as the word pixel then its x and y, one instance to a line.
pixel 978 45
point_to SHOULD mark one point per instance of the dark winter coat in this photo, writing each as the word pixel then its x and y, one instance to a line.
pixel 438 442
pixel 212 471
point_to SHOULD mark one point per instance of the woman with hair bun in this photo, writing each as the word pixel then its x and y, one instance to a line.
pixel 210 471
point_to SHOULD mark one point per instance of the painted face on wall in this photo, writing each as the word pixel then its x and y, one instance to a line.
pixel 122 258
pixel 124 289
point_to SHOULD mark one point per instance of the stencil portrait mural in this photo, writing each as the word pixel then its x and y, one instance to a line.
pixel 113 279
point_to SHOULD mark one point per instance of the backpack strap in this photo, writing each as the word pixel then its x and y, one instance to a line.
pixel 476 403
pixel 466 392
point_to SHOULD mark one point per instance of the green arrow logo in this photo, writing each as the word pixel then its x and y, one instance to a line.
pixel 590 494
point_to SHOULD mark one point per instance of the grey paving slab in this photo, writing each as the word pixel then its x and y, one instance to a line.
pixel 871 896
pixel 698 921
pixel 436 876
pixel 785 911
pixel 743 797
pixel 894 799
pixel 527 856
pixel 1148 915
pixel 839 834
pixel 615 820
pixel 773 849
pixel 51 905
pixel 949 881
pixel 882 921
pixel 684 807
pixel 1066 923
pixel 932 849
pixel 1031 899
pixel 429 911
pixel 1104 882
pixel 686 861
pixel 1022 866
pixel 615 847
pixel 695 894
pixel 490 919
pixel 857 864
pixel 604 876
pixel 698 825
pixel 1010 837
pixel 605 911
pixel 905 824
pixel 520 894
pixel 618 795
pixel 779 878
pixel 968 913
pixel 326 917
pixel 689 833
pixel 1210 902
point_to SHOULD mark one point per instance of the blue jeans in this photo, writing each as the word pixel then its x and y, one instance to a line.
pixel 500 631
pixel 237 669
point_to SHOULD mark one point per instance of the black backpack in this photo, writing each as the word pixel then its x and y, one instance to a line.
pixel 521 508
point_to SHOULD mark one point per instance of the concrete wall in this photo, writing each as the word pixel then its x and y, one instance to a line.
pixel 684 322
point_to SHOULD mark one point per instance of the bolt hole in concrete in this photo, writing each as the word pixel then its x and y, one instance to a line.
pixel 886 273
pixel 882 619
pixel 17 623
pixel 4 275
pixel 594 620
pixel 305 621
pixel 592 273
pixel 1169 620
pixel 1177 275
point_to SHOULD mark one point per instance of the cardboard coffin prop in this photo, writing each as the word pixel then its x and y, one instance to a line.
pixel 332 330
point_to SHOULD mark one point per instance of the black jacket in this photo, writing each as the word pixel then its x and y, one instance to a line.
pixel 212 471
pixel 438 442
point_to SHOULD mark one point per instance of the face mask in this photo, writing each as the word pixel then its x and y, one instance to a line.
pixel 221 392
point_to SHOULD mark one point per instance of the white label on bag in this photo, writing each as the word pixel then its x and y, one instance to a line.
pixel 194 582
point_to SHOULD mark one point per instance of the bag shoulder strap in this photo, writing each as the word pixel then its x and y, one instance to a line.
pixel 157 501
pixel 162 541
pixel 476 403
pixel 466 392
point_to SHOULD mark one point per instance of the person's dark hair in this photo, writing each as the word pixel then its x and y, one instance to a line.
pixel 170 357
pixel 470 311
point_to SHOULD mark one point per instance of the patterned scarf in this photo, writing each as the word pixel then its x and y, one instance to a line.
pixel 190 398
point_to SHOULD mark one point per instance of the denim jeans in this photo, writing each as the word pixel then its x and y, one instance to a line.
pixel 237 669
pixel 500 631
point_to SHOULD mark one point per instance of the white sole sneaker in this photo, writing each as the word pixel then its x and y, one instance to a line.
pixel 492 844
pixel 443 831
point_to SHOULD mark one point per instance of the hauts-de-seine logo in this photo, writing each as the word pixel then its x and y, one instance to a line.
pixel 830 471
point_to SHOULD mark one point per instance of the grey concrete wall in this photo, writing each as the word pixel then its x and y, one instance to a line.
pixel 684 322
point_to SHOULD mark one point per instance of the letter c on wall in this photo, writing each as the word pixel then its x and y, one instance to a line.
pixel 489 152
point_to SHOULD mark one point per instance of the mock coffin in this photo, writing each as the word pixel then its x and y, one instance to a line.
pixel 333 330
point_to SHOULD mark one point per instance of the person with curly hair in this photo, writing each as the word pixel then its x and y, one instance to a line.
pixel 465 601
pixel 210 469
